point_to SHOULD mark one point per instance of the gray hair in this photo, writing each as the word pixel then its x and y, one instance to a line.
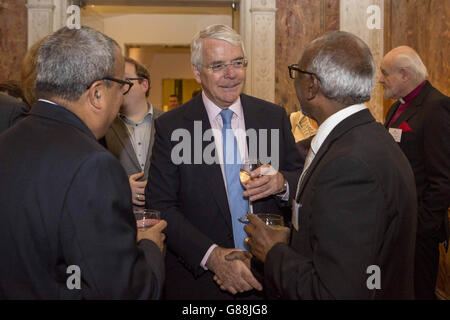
pixel 344 65
pixel 70 60
pixel 215 31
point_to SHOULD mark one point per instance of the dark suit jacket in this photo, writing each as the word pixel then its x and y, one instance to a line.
pixel 192 197
pixel 11 110
pixel 65 200
pixel 357 209
pixel 119 144
pixel 427 148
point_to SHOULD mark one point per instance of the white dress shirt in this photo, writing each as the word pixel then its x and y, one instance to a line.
pixel 238 127
pixel 324 130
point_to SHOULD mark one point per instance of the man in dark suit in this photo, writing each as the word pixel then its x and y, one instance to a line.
pixel 420 123
pixel 193 187
pixel 11 110
pixel 131 135
pixel 67 230
pixel 354 214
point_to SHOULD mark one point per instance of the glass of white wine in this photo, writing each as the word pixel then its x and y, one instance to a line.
pixel 244 176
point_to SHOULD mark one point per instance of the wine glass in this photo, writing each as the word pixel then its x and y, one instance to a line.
pixel 244 176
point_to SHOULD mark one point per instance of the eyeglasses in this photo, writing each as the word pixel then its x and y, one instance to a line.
pixel 294 69
pixel 237 64
pixel 138 78
pixel 125 85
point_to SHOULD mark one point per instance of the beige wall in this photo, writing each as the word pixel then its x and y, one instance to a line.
pixel 153 28
pixel 157 30
pixel 162 66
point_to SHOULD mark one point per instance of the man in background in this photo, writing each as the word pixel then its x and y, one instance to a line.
pixel 67 230
pixel 131 135
pixel 173 102
pixel 420 123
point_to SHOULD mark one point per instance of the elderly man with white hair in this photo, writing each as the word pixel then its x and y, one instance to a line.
pixel 354 211
pixel 420 122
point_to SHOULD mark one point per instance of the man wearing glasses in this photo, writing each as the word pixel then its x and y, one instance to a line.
pixel 354 210
pixel 67 230
pixel 202 201
pixel 130 137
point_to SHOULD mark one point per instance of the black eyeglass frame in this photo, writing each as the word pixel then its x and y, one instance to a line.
pixel 137 78
pixel 295 67
pixel 122 82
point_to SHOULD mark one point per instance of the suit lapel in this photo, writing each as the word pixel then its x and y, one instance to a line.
pixel 413 107
pixel 212 173
pixel 122 133
pixel 391 113
pixel 253 120
pixel 407 113
pixel 359 118
pixel 155 115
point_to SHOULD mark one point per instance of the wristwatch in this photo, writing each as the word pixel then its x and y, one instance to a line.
pixel 285 186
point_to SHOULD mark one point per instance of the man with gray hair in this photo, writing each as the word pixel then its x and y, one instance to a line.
pixel 203 201
pixel 354 214
pixel 420 123
pixel 67 229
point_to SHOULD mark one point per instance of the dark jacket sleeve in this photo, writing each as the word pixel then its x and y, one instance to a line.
pixel 98 233
pixel 344 231
pixel 161 192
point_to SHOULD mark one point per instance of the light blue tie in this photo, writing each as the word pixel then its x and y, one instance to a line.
pixel 232 163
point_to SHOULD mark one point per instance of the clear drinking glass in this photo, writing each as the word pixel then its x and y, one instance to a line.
pixel 244 175
pixel 146 218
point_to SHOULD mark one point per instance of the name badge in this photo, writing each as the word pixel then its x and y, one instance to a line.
pixel 396 133
pixel 295 209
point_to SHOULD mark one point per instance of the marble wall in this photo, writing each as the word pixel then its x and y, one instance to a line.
pixel 13 38
pixel 425 26
pixel 297 23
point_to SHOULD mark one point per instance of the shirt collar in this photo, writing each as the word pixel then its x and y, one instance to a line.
pixel 213 110
pixel 48 101
pixel 331 122
pixel 410 96
pixel 148 115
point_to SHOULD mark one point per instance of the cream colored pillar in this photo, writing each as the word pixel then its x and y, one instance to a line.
pixel 45 17
pixel 257 27
pixel 364 18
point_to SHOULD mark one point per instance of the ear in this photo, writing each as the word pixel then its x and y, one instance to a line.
pixel 404 73
pixel 313 87
pixel 145 85
pixel 95 95
pixel 196 73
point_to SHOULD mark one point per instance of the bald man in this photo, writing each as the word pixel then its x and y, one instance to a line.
pixel 420 123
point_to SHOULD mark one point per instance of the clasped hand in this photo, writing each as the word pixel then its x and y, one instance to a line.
pixel 231 274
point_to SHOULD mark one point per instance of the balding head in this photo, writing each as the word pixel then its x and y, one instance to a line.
pixel 402 71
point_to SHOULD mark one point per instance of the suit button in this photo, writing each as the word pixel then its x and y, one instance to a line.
pixel 230 236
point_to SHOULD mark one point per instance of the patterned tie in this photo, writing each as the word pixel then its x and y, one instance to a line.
pixel 232 163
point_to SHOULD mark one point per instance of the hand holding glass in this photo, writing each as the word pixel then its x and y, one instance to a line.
pixel 146 218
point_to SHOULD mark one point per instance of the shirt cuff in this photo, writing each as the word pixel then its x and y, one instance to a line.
pixel 206 256
pixel 285 196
